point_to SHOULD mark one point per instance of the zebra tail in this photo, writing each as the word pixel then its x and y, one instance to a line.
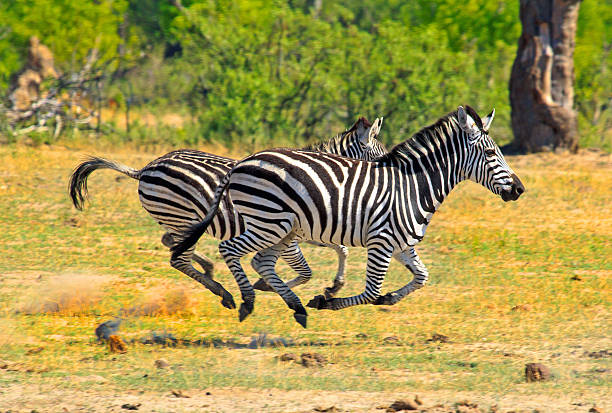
pixel 77 187
pixel 193 234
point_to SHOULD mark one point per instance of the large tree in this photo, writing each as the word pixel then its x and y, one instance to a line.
pixel 542 79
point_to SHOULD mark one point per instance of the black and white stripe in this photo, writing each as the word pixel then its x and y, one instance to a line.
pixel 177 189
pixel 384 205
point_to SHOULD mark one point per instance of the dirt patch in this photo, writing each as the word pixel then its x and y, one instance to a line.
pixel 66 294
pixel 48 397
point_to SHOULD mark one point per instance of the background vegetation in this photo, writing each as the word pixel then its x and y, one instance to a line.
pixel 260 73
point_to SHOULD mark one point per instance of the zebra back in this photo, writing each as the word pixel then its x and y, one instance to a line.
pixel 179 188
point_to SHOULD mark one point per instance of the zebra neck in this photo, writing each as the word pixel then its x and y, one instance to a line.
pixel 431 166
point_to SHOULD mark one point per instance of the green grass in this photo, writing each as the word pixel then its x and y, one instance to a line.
pixel 485 257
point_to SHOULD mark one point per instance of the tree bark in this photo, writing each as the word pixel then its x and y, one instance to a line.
pixel 542 78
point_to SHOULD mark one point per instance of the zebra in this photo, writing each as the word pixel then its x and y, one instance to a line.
pixel 384 205
pixel 177 188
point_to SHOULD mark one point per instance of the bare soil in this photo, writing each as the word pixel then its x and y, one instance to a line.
pixel 25 398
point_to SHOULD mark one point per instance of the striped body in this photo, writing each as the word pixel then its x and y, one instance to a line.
pixel 384 205
pixel 177 190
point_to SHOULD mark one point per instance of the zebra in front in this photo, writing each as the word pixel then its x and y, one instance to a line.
pixel 383 205
pixel 177 189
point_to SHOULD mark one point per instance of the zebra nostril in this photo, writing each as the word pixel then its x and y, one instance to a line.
pixel 520 190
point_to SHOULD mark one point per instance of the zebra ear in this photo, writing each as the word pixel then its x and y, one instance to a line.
pixel 375 128
pixel 486 122
pixel 466 122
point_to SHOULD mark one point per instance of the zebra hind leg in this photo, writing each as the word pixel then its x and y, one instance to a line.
pixel 293 256
pixel 266 269
pixel 207 265
pixel 183 264
pixel 235 248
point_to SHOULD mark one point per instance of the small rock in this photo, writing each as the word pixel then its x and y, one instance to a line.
pixel 116 344
pixel 208 393
pixel 313 360
pixel 576 277
pixel 417 400
pixel 467 407
pixel 129 406
pixel 400 405
pixel 106 329
pixel 441 338
pixel 331 409
pixel 595 409
pixel 3 364
pixel 361 335
pixel 288 357
pixel 536 372
pixel 392 340
pixel 599 354
pixel 162 364
pixel 35 350
pixel 521 307
pixel 180 394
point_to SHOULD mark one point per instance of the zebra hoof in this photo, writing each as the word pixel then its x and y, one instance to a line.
pixel 330 292
pixel 387 299
pixel 228 301
pixel 261 285
pixel 319 302
pixel 245 310
pixel 301 319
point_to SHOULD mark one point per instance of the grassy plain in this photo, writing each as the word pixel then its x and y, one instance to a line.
pixel 511 283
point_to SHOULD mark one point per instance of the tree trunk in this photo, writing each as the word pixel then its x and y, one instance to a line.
pixel 542 79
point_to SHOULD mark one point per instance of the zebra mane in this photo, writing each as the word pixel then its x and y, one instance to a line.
pixel 325 144
pixel 437 131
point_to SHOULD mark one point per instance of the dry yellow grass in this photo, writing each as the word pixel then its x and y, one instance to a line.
pixel 547 256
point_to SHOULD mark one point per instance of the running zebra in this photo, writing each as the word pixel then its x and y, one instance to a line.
pixel 384 205
pixel 177 189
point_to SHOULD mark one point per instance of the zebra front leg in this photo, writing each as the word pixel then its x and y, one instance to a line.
pixel 379 258
pixel 293 256
pixel 411 260
pixel 339 280
pixel 266 267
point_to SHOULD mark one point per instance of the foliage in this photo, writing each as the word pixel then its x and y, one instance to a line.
pixel 261 73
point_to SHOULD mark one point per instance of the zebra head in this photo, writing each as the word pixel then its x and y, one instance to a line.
pixel 485 163
pixel 365 137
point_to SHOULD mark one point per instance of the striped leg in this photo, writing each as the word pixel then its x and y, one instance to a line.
pixel 183 264
pixel 294 258
pixel 412 261
pixel 207 265
pixel 379 258
pixel 266 267
pixel 339 280
pixel 235 248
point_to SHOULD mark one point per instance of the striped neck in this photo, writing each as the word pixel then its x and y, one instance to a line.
pixel 434 158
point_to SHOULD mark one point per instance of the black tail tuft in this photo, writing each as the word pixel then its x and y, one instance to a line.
pixel 77 187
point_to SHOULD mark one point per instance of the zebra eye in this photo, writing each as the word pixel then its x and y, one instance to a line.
pixel 490 152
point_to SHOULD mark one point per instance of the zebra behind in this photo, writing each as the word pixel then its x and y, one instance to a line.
pixel 384 205
pixel 177 189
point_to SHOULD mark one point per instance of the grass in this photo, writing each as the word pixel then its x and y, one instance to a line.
pixel 549 254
